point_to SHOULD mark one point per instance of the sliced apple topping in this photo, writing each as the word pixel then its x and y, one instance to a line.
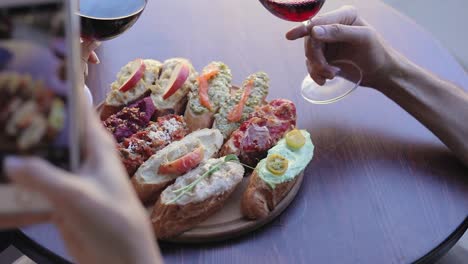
pixel 138 69
pixel 183 164
pixel 177 80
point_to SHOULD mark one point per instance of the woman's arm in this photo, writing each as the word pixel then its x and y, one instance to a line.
pixel 439 105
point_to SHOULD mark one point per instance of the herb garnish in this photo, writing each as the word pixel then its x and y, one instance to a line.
pixel 182 191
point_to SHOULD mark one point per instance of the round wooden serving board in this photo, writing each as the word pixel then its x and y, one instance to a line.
pixel 229 222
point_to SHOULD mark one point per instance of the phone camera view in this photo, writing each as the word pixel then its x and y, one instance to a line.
pixel 33 84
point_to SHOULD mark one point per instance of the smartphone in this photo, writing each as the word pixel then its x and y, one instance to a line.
pixel 39 93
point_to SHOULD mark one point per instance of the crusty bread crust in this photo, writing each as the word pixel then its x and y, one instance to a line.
pixel 259 199
pixel 177 109
pixel 229 148
pixel 197 122
pixel 149 192
pixel 105 111
pixel 170 220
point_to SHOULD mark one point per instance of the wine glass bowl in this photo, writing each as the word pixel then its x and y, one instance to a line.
pixel 106 19
pixel 293 10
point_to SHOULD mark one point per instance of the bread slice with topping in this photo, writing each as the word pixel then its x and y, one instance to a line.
pixel 264 128
pixel 176 159
pixel 243 102
pixel 275 175
pixel 116 99
pixel 195 196
pixel 178 76
pixel 212 89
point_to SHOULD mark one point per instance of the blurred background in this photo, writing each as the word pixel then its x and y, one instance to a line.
pixel 447 21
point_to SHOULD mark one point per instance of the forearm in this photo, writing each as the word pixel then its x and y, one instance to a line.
pixel 439 105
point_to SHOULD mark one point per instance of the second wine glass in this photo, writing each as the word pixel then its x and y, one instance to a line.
pixel 346 80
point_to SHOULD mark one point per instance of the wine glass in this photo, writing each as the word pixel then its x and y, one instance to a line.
pixel 106 19
pixel 346 80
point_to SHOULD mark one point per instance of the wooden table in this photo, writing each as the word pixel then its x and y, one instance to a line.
pixel 381 188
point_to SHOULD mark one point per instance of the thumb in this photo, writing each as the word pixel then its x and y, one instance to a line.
pixel 342 33
pixel 42 177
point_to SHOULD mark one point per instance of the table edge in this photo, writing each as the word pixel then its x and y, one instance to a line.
pixel 441 249
pixel 39 253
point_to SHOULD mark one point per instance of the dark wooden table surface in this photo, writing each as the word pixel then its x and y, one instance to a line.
pixel 381 188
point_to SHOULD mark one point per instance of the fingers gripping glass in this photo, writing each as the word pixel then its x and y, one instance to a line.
pixel 345 81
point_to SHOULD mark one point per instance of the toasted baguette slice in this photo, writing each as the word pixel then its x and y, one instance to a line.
pixel 105 111
pixel 198 116
pixel 172 216
pixel 265 190
pixel 176 103
pixel 198 121
pixel 265 127
pixel 117 99
pixel 251 95
pixel 259 199
pixel 149 183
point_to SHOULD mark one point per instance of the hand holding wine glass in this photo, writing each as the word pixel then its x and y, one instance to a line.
pixel 343 35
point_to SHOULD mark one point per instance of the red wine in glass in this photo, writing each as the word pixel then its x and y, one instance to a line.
pixel 293 10
pixel 107 19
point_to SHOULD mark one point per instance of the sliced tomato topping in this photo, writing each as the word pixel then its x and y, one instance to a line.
pixel 183 164
pixel 211 72
pixel 203 87
pixel 236 114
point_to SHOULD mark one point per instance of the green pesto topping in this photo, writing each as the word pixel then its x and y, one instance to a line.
pixel 218 91
pixel 257 95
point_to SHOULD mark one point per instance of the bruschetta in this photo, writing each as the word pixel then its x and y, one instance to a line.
pixel 177 78
pixel 265 127
pixel 134 81
pixel 176 159
pixel 244 101
pixel 142 145
pixel 211 90
pixel 130 119
pixel 275 175
pixel 195 196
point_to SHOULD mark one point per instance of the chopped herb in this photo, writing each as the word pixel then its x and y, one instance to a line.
pixel 182 191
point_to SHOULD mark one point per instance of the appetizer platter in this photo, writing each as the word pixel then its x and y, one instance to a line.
pixel 31 114
pixel 209 160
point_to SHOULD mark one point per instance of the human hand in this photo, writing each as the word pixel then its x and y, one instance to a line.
pixel 96 211
pixel 343 35
pixel 88 54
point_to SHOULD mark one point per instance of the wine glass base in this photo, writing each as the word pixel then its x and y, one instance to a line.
pixel 335 89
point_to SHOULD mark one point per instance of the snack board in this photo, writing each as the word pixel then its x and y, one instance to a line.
pixel 210 160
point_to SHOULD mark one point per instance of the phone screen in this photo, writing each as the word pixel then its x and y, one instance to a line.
pixel 35 91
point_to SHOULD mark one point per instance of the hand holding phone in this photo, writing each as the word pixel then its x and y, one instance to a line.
pixel 39 91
